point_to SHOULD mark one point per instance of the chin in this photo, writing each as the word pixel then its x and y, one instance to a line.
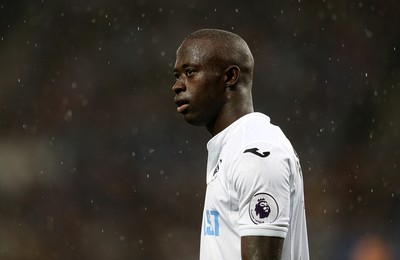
pixel 193 120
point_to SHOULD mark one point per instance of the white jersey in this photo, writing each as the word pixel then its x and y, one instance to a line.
pixel 254 188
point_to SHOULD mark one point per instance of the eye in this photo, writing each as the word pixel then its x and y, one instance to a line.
pixel 189 72
pixel 176 75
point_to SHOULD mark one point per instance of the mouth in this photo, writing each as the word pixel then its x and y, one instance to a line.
pixel 182 105
pixel 182 108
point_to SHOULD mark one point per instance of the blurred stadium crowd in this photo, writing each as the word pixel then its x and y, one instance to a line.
pixel 95 163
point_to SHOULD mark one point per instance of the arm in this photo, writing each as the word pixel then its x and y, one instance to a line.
pixel 263 190
pixel 261 248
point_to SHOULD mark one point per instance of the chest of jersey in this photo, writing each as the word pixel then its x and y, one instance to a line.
pixel 221 203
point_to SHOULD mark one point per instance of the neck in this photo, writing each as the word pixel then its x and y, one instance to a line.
pixel 227 117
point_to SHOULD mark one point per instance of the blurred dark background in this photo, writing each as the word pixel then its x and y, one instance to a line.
pixel 95 163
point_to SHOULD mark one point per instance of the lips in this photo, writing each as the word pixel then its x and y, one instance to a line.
pixel 182 104
pixel 181 108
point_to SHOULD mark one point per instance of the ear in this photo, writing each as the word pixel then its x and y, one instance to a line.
pixel 232 75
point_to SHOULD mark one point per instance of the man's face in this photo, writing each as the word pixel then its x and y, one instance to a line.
pixel 199 87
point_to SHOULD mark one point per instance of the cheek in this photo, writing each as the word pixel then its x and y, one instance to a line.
pixel 214 90
pixel 206 92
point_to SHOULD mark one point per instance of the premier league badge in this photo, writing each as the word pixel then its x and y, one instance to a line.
pixel 263 208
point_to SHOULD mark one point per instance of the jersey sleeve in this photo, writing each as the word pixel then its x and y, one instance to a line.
pixel 260 176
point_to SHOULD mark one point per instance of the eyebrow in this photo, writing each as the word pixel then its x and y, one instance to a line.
pixel 184 66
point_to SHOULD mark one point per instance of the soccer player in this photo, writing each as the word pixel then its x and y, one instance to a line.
pixel 254 204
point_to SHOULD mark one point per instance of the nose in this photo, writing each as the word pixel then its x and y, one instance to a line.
pixel 179 86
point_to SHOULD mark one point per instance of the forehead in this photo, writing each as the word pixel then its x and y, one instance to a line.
pixel 197 51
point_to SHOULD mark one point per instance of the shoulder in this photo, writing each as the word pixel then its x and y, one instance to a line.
pixel 262 155
pixel 254 142
pixel 255 131
pixel 260 162
pixel 257 127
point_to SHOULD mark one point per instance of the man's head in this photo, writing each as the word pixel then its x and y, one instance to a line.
pixel 214 71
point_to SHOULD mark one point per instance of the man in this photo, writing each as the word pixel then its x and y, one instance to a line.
pixel 254 205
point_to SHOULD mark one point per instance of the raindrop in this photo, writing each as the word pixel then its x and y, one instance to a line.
pixel 368 33
pixel 68 116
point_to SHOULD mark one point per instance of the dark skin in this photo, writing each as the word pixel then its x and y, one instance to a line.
pixel 213 96
pixel 256 248
pixel 214 93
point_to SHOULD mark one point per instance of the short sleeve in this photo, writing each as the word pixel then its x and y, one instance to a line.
pixel 260 176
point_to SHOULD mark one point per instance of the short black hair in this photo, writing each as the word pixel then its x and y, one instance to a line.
pixel 228 46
